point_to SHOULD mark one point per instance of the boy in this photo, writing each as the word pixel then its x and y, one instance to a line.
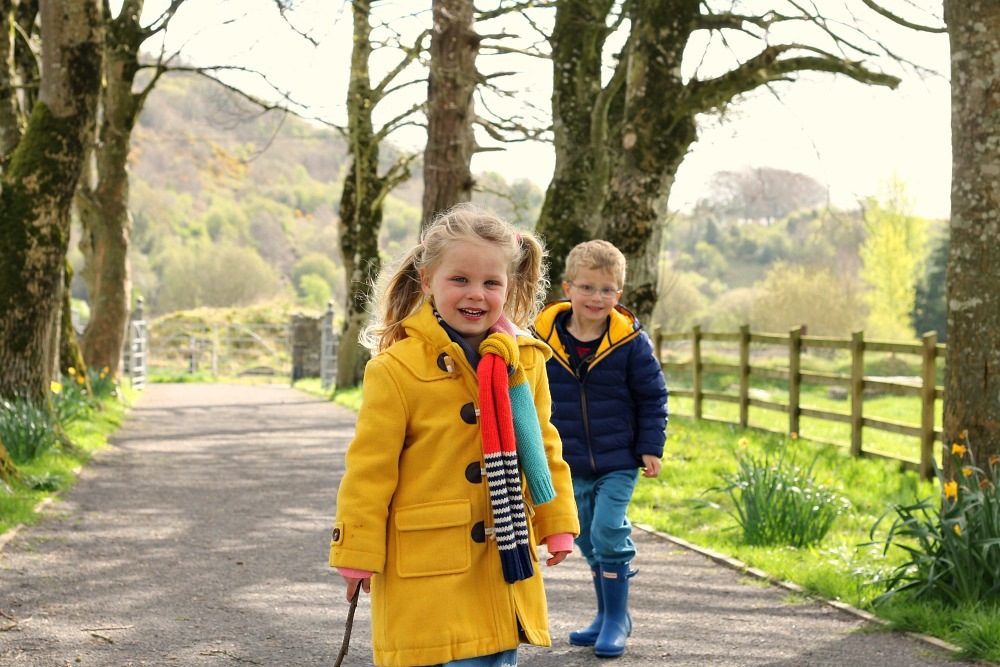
pixel 609 401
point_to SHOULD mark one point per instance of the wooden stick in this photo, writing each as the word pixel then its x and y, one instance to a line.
pixel 348 627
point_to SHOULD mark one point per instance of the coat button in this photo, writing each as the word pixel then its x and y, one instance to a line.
pixel 479 533
pixel 444 363
pixel 474 472
pixel 468 413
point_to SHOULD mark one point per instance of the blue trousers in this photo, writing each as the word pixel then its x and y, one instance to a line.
pixel 602 503
pixel 502 659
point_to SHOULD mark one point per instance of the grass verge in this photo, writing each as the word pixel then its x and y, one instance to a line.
pixel 57 470
pixel 845 566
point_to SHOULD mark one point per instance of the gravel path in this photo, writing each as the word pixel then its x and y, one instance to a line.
pixel 201 537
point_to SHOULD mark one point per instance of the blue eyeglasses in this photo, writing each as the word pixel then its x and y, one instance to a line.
pixel 589 290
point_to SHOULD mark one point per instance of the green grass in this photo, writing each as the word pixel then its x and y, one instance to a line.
pixel 57 469
pixel 842 567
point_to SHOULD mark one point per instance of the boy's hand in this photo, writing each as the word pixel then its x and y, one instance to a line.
pixel 651 466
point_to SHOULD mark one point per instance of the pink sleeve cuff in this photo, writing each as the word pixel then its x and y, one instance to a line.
pixel 351 573
pixel 559 542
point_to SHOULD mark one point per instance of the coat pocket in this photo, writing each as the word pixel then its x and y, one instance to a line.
pixel 433 539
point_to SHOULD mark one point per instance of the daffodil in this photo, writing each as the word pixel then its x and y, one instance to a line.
pixel 957 449
pixel 744 443
pixel 951 490
pixel 967 471
pixel 56 387
pixel 794 436
pixel 71 371
pixel 80 379
pixel 958 530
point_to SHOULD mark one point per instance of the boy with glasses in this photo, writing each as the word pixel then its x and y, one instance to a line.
pixel 609 401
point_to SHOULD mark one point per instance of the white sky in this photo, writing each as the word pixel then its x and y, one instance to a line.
pixel 853 138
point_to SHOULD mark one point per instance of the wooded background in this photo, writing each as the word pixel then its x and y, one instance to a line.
pixel 624 111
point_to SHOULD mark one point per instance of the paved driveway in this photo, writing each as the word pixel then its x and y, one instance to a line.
pixel 200 538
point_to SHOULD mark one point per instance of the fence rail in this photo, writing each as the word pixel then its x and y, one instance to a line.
pixel 855 383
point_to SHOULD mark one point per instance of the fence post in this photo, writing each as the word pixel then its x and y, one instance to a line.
pixel 744 375
pixel 658 344
pixel 928 393
pixel 794 378
pixel 857 389
pixel 328 349
pixel 696 370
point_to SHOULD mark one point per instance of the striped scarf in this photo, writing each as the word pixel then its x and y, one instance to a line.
pixel 510 428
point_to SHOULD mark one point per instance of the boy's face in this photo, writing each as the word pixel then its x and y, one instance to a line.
pixel 604 292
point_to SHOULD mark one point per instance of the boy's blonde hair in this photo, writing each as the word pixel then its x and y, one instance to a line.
pixel 400 294
pixel 597 255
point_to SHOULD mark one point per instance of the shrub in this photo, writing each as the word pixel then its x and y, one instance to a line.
pixel 103 383
pixel 26 430
pixel 778 502
pixel 69 400
pixel 952 542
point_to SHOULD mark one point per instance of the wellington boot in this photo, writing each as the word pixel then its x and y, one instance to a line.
pixel 588 636
pixel 617 625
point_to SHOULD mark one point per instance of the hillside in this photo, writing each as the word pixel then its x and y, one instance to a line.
pixel 232 206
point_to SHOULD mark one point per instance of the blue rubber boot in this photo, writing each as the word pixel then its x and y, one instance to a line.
pixel 588 635
pixel 617 624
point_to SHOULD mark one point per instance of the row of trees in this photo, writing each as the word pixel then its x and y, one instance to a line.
pixel 624 113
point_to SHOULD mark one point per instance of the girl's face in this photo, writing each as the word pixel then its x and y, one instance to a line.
pixel 469 287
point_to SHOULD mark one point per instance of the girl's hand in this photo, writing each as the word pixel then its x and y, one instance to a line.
pixel 557 557
pixel 352 586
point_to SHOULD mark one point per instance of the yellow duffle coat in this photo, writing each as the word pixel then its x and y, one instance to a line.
pixel 413 506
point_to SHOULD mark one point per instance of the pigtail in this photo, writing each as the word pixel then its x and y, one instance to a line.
pixel 398 297
pixel 529 280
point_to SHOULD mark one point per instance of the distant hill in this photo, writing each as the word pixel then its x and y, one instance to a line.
pixel 233 206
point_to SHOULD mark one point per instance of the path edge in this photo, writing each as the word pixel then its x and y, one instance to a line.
pixel 740 566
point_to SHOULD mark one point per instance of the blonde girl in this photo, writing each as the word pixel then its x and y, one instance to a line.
pixel 455 473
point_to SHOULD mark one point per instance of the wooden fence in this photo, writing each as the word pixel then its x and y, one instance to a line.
pixel 856 383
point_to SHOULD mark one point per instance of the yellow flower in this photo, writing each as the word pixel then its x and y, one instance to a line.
pixel 957 449
pixel 958 530
pixel 967 470
pixel 794 435
pixel 951 490
pixel 104 371
pixel 80 379
pixel 963 434
pixel 744 443
pixel 102 374
pixel 994 459
pixel 56 387
pixel 71 371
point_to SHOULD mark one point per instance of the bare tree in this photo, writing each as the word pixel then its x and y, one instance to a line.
pixel 102 197
pixel 38 185
pixel 662 101
pixel 365 189
pixel 972 371
pixel 451 82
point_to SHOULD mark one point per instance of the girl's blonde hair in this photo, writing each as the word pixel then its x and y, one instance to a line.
pixel 399 294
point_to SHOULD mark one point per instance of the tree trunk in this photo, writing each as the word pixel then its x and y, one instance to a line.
pixel 575 196
pixel 972 371
pixel 656 134
pixel 103 206
pixel 37 193
pixel 452 80
pixel 360 205
pixel 10 108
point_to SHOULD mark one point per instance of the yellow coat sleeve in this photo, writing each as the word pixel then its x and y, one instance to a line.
pixel 371 474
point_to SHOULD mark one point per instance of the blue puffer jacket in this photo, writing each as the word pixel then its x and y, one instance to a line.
pixel 616 409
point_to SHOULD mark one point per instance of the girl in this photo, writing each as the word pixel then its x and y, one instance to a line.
pixel 432 518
